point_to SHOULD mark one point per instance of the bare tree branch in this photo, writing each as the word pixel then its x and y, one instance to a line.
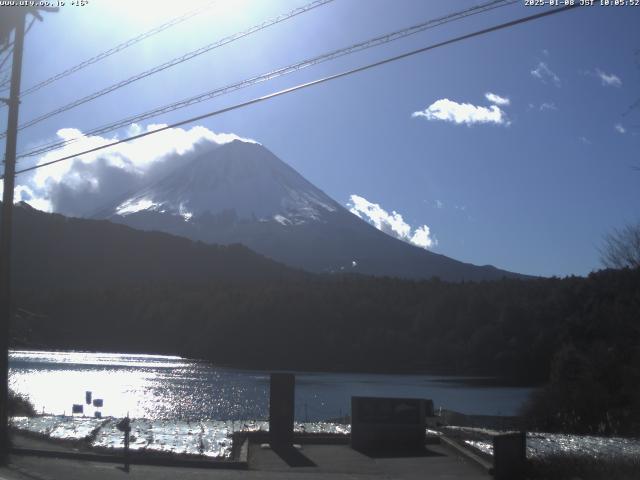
pixel 621 248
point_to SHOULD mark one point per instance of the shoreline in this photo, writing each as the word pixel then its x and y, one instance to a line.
pixel 37 440
pixel 467 377
pixel 470 432
pixel 203 439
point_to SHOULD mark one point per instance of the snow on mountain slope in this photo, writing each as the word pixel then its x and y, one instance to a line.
pixel 242 177
pixel 241 193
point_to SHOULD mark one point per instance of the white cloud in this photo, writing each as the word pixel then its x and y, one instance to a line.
pixel 422 237
pixel 497 99
pixel 439 204
pixel 608 79
pixel 544 106
pixel 450 111
pixel 135 156
pixel 79 186
pixel 391 223
pixel 543 73
pixel 619 128
pixel 585 140
pixel 23 193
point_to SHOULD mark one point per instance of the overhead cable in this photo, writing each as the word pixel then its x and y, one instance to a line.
pixel 477 33
pixel 373 42
pixel 173 62
pixel 117 48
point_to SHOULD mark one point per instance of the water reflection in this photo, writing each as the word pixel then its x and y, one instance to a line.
pixel 143 386
pixel 97 359
pixel 168 387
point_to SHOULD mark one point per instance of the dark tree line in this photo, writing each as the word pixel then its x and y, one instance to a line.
pixel 581 336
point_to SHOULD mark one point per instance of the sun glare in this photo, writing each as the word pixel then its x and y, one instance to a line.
pixel 151 13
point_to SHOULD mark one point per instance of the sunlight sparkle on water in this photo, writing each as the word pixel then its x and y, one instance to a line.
pixel 143 386
pixel 169 387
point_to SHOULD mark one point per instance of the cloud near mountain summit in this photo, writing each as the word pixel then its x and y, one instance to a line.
pixel 391 223
pixel 79 186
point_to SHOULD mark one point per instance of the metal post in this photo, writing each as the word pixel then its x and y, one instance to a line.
pixel 5 233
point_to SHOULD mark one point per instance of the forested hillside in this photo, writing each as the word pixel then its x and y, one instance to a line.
pixel 151 292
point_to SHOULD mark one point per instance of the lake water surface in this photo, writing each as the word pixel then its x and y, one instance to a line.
pixel 191 407
pixel 164 387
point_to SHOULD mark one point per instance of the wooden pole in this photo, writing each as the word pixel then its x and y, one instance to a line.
pixel 5 232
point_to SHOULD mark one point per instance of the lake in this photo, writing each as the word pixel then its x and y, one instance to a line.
pixel 159 387
pixel 192 407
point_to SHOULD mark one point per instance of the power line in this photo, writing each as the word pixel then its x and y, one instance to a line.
pixel 310 84
pixel 5 76
pixel 6 46
pixel 6 72
pixel 174 62
pixel 118 48
pixel 373 42
pixel 4 60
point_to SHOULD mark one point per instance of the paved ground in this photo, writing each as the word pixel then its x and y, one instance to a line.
pixel 340 461
pixel 326 462
pixel 22 440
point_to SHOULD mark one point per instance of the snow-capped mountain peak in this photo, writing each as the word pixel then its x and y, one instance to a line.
pixel 241 193
pixel 242 177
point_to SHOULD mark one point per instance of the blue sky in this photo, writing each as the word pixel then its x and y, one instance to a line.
pixel 532 186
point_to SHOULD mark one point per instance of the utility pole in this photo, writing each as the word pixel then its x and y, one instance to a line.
pixel 13 19
pixel 6 231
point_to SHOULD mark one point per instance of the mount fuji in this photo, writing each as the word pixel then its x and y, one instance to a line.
pixel 240 192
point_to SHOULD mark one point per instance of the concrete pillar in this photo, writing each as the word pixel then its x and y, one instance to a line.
pixel 510 456
pixel 281 408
